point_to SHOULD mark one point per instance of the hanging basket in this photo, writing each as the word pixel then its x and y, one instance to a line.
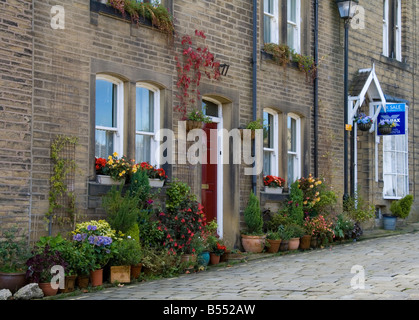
pixel 364 126
pixel 384 130
pixel 191 124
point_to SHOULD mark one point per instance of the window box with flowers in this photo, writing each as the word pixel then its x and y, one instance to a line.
pixel 385 126
pixel 113 170
pixel 156 176
pixel 273 184
pixel 364 122
pixel 196 119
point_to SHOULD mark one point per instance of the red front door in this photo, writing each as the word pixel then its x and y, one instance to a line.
pixel 209 175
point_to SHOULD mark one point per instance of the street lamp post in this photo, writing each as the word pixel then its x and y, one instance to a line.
pixel 346 11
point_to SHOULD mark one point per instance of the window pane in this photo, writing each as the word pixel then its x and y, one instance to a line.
pixel 292 134
pixel 267 165
pixel 268 136
pixel 104 143
pixel 106 97
pixel 291 169
pixel 143 149
pixel 291 36
pixel 144 110
pixel 292 10
pixel 267 29
pixel 268 6
pixel 210 108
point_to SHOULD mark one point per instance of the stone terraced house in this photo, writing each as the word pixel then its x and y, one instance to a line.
pixel 81 70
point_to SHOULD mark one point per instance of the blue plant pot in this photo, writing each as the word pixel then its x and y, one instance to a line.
pixel 389 222
pixel 204 258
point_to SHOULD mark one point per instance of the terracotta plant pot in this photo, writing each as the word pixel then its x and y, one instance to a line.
pixel 305 242
pixel 83 281
pixel 214 259
pixel 70 284
pixel 273 245
pixel 284 245
pixel 188 258
pixel 121 274
pixel 12 281
pixel 136 270
pixel 96 277
pixel 254 244
pixel 294 244
pixel 47 289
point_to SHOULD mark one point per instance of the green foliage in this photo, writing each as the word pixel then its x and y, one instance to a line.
pixel 401 208
pixel 177 193
pixel 160 263
pixel 252 216
pixel 343 227
pixel 127 252
pixel 294 230
pixel 294 208
pixel 357 210
pixel 140 188
pixel 134 232
pixel 284 233
pixel 13 252
pixel 253 125
pixel 122 211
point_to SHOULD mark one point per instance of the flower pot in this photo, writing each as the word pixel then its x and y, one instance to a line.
pixel 305 242
pixel 294 244
pixel 284 245
pixel 121 274
pixel 253 244
pixel 364 126
pixel 384 130
pixel 136 270
pixel 314 242
pixel 274 190
pixel 204 258
pixel 389 222
pixel 47 289
pixel 107 180
pixel 156 183
pixel 83 281
pixel 273 245
pixel 70 283
pixel 214 259
pixel 12 281
pixel 191 124
pixel 187 258
pixel 96 277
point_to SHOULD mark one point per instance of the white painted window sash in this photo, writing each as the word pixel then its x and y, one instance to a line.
pixel 385 28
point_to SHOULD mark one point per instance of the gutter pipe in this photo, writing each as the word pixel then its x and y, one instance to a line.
pixel 316 88
pixel 254 82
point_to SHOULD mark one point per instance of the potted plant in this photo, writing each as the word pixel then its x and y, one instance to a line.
pixel 285 236
pixel 40 269
pixel 101 239
pixel 252 125
pixel 216 251
pixel 273 241
pixel 114 171
pixel 295 232
pixel 273 184
pixel 253 238
pixel 196 119
pixel 399 209
pixel 156 176
pixel 385 126
pixel 13 255
pixel 364 122
pixel 127 253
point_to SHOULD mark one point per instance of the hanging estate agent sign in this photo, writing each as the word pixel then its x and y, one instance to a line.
pixel 396 113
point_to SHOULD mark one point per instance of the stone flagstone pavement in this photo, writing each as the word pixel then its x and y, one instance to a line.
pixel 390 266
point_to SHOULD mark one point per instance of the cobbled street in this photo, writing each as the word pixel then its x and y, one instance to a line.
pixel 389 267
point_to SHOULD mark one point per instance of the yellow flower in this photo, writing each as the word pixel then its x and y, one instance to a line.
pixel 115 154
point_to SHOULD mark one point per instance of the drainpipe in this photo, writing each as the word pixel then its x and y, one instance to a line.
pixel 316 88
pixel 254 82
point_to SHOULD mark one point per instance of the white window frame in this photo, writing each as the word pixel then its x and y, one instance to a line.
pixel 119 129
pixel 297 153
pixel 406 159
pixel 275 150
pixel 296 25
pixel 274 19
pixel 398 31
pixel 156 125
pixel 385 28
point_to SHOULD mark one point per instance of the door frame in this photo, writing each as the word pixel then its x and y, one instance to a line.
pixel 220 172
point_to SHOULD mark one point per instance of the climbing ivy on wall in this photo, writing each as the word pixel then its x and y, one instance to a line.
pixel 62 167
